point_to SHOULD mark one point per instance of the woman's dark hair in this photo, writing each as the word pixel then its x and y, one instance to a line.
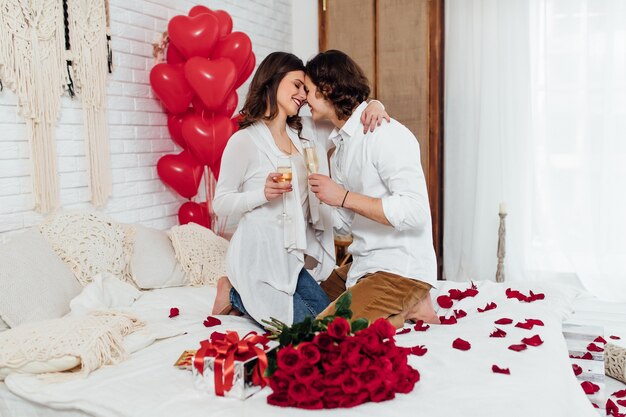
pixel 263 88
pixel 340 80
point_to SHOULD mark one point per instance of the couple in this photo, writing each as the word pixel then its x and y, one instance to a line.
pixel 377 192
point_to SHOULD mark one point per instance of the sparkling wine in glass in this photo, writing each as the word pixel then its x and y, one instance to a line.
pixel 284 167
pixel 310 157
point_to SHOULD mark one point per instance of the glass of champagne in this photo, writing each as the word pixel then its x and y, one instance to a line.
pixel 284 167
pixel 310 157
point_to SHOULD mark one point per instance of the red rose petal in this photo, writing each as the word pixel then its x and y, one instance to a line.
pixel 599 339
pixel 496 369
pixel 444 301
pixel 615 337
pixel 455 294
pixel 621 402
pixel 577 369
pixel 589 387
pixel 404 331
pixel 217 336
pixel 503 321
pixel 619 394
pixel 515 294
pixel 474 287
pixel 498 333
pixel 444 320
pixel 526 325
pixel 211 321
pixel 535 297
pixel 418 350
pixel 459 314
pixel 489 306
pixel 174 312
pixel 535 322
pixel 420 326
pixel 518 348
pixel 592 347
pixel 461 344
pixel 533 341
pixel 611 408
pixel 470 292
pixel 595 405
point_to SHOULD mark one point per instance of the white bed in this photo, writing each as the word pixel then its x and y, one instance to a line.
pixel 453 382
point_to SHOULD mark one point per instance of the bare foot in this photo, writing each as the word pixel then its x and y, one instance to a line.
pixel 424 310
pixel 222 304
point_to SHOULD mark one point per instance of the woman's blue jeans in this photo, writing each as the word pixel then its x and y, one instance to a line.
pixel 308 300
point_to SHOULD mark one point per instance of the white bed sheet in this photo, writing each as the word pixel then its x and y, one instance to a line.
pixel 453 382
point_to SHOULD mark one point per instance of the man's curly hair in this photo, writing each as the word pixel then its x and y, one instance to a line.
pixel 339 80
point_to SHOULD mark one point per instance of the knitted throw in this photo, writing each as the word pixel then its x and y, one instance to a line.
pixel 615 362
pixel 87 26
pixel 95 339
pixel 201 253
pixel 89 243
pixel 32 65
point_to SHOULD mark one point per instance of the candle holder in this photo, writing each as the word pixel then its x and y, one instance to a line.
pixel 501 247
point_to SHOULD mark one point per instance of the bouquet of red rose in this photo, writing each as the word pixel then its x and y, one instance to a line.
pixel 330 362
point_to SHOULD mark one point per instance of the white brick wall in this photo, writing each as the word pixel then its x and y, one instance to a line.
pixel 137 124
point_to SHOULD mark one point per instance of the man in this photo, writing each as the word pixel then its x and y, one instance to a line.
pixel 379 190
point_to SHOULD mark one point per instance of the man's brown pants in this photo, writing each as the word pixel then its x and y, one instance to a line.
pixel 376 295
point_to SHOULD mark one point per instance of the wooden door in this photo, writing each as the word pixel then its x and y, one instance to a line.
pixel 399 45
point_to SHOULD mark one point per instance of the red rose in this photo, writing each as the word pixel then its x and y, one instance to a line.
pixel 309 352
pixel 298 392
pixel 289 359
pixel 382 365
pixel 383 328
pixel 399 360
pixel 362 365
pixel 335 377
pixel 307 374
pixel 332 359
pixel 370 379
pixel 382 393
pixel 350 349
pixel 332 397
pixel 280 381
pixel 351 385
pixel 280 399
pixel 353 400
pixel 371 344
pixel 316 404
pixel 339 328
pixel 323 341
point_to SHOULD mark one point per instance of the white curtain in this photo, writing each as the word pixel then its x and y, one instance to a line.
pixel 535 116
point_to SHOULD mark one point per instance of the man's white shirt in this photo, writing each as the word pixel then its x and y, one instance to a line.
pixel 384 164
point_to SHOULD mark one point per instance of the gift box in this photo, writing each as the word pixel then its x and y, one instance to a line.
pixel 232 367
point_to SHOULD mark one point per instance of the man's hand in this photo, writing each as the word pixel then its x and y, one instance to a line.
pixel 327 190
pixel 274 188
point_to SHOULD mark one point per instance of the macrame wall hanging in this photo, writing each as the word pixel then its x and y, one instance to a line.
pixel 89 54
pixel 32 65
pixel 35 50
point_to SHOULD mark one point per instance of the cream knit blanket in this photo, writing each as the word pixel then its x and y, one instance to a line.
pixel 96 339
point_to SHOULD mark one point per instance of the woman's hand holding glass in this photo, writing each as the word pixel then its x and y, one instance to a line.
pixel 274 188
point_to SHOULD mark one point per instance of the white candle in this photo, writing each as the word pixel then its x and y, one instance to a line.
pixel 502 208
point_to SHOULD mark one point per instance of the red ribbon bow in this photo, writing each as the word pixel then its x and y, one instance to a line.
pixel 228 348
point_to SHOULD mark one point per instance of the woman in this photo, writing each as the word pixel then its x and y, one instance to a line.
pixel 266 258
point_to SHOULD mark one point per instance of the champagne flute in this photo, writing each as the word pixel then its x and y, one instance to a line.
pixel 310 157
pixel 284 167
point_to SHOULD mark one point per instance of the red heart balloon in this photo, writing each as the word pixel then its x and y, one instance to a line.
pixel 182 172
pixel 169 84
pixel 224 19
pixel 236 47
pixel 173 55
pixel 194 212
pixel 230 105
pixel 207 138
pixel 175 125
pixel 225 22
pixel 250 64
pixel 211 80
pixel 194 36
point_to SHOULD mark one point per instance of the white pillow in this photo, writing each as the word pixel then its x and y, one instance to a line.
pixel 61 364
pixel 90 242
pixel 35 284
pixel 154 263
